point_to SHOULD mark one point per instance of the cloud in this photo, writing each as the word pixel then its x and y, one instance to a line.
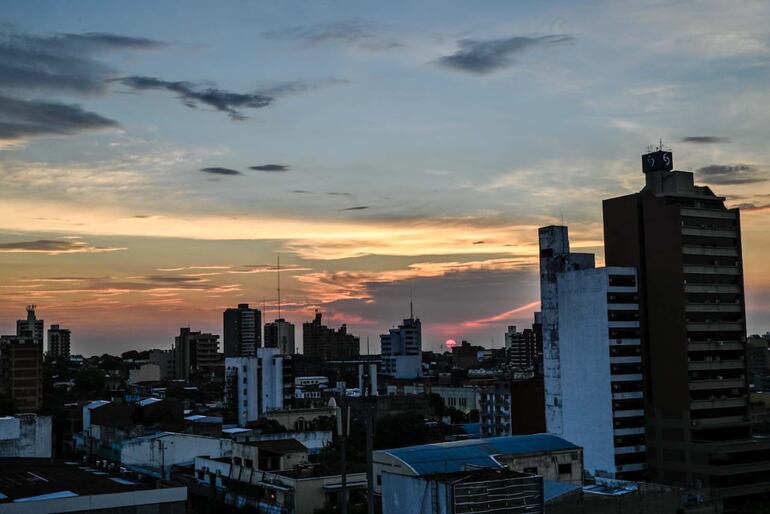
pixel 268 268
pixel 221 171
pixel 270 168
pixel 53 247
pixel 503 316
pixel 21 119
pixel 338 193
pixel 62 62
pixel 356 34
pixel 482 57
pixel 749 207
pixel 192 95
pixel 732 174
pixel 705 140
pixel 301 191
pixel 356 208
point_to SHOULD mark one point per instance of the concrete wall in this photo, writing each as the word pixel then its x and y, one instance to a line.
pixel 26 435
pixel 314 440
pixel 145 373
pixel 586 389
pixel 412 495
pixel 147 454
pixel 141 500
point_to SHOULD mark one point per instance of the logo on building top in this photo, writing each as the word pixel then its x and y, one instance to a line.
pixel 657 161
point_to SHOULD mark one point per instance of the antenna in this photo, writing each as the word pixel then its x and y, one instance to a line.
pixel 411 303
pixel 367 346
pixel 278 268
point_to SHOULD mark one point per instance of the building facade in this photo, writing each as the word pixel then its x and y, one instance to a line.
pixel 21 363
pixel 280 334
pixel 241 328
pixel 324 343
pixel 58 342
pixel 401 350
pixel 521 349
pixel 30 329
pixel 194 352
pixel 686 246
pixel 254 385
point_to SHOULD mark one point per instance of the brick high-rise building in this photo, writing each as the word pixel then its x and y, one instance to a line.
pixel 195 351
pixel 21 363
pixel 58 342
pixel 324 343
pixel 686 246
pixel 242 331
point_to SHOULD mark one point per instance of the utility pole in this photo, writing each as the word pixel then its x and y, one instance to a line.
pixel 343 427
pixel 369 407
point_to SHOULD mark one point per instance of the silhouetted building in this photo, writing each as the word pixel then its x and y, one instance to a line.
pixel 58 342
pixel 280 334
pixel 686 246
pixel 30 328
pixel 242 334
pixel 195 351
pixel 324 343
pixel 401 350
pixel 21 363
pixel 521 349
pixel 593 362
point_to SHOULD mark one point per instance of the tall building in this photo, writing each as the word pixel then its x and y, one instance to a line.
pixel 30 328
pixel 324 343
pixel 58 342
pixel 195 351
pixel 401 349
pixel 254 384
pixel 280 334
pixel 242 334
pixel 686 246
pixel 592 353
pixel 21 363
pixel 521 349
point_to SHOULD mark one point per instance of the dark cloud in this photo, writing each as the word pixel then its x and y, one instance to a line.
pixel 20 119
pixel 301 191
pixel 725 174
pixel 704 140
pixel 481 57
pixel 356 34
pixel 221 171
pixel 53 247
pixel 274 168
pixel 478 242
pixel 338 193
pixel 62 62
pixel 142 216
pixel 173 279
pixel 192 95
pixel 753 206
pixel 356 208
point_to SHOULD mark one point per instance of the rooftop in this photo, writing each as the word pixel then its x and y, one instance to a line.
pixel 458 455
pixel 280 446
pixel 27 479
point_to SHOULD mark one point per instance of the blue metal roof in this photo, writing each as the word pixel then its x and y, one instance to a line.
pixel 460 455
pixel 553 489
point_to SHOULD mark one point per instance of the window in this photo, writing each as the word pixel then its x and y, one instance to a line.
pixel 379 479
pixel 248 463
pixel 531 470
pixel 237 461
pixel 565 469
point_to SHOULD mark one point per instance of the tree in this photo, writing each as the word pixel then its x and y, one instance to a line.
pixel 436 403
pixel 8 406
pixel 399 430
pixel 89 379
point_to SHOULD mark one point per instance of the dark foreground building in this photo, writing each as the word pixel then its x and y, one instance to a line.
pixel 326 344
pixel 686 246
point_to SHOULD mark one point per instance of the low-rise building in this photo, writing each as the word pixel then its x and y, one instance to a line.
pixel 42 486
pixel 464 399
pixel 546 455
pixel 154 455
pixel 148 372
pixel 25 435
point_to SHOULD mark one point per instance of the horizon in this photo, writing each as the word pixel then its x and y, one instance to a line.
pixel 155 164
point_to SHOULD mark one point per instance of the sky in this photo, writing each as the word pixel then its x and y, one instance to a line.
pixel 158 158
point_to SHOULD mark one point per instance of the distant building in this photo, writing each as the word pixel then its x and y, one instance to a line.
pixel 58 342
pixel 401 350
pixel 26 435
pixel 254 385
pixel 147 372
pixel 241 328
pixel 466 355
pixel 166 361
pixel 280 334
pixel 593 358
pixel 155 454
pixel 324 343
pixel 521 349
pixel 465 398
pixel 195 351
pixel 30 329
pixel 512 407
pixel 758 358
pixel 21 363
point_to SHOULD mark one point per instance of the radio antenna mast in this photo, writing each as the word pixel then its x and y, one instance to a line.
pixel 278 269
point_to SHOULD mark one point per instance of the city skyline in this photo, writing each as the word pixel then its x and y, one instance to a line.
pixel 380 152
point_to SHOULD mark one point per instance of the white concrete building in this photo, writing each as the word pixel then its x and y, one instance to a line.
pixel 254 385
pixel 155 454
pixel 401 350
pixel 592 356
pixel 26 435
pixel 148 372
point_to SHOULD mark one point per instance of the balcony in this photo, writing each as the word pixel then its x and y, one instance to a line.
pixel 708 250
pixel 713 307
pixel 717 403
pixel 628 431
pixel 714 346
pixel 712 288
pixel 722 326
pixel 630 377
pixel 631 467
pixel 632 413
pixel 716 364
pixel 628 396
pixel 712 270
pixel 621 450
pixel 717 383
pixel 720 421
pixel 631 359
pixel 709 232
pixel 707 213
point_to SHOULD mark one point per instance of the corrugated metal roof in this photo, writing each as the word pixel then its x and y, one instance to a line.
pixel 553 489
pixel 460 455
